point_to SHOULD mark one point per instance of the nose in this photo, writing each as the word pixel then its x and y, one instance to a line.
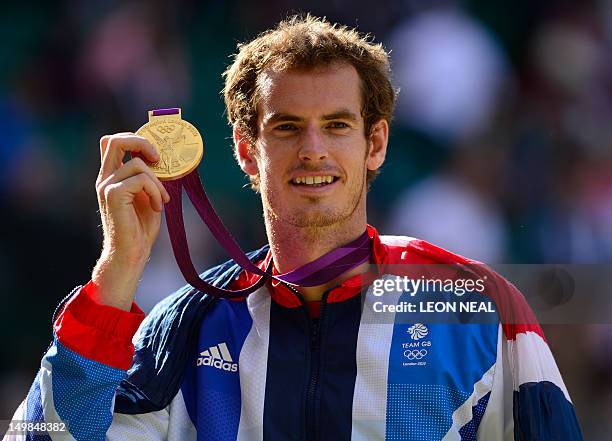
pixel 312 146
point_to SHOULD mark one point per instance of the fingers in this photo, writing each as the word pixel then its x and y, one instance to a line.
pixel 104 142
pixel 114 147
pixel 115 192
pixel 134 167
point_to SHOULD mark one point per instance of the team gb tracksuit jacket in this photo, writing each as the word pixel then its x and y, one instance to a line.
pixel 272 367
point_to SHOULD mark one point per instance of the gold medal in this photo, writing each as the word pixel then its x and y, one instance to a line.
pixel 178 143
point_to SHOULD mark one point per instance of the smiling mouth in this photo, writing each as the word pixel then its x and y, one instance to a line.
pixel 314 181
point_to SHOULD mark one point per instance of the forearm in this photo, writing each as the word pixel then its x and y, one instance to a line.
pixel 91 352
pixel 116 281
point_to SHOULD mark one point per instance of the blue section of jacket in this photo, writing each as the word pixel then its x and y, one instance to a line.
pixel 166 337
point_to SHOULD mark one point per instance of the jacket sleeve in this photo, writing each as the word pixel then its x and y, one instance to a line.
pixel 529 400
pixel 541 405
pixel 90 354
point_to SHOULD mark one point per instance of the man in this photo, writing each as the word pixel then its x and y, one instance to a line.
pixel 310 105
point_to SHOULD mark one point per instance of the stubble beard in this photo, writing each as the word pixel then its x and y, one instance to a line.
pixel 311 219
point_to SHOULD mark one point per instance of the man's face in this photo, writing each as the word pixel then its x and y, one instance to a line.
pixel 311 152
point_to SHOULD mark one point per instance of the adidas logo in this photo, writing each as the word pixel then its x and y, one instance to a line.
pixel 219 357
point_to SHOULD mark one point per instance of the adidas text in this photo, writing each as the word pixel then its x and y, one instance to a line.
pixel 218 357
pixel 219 364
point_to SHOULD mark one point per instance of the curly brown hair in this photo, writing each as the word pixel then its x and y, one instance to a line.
pixel 306 42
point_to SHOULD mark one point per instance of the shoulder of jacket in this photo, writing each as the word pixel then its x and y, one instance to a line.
pixel 406 249
pixel 515 314
pixel 164 340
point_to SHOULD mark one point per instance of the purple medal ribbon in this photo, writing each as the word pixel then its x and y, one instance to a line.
pixel 317 272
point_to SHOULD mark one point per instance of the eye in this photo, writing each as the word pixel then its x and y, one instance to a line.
pixel 337 125
pixel 286 127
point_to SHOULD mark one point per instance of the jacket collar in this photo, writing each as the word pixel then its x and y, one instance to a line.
pixel 284 296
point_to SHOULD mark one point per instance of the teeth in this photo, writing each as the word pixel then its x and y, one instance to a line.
pixel 310 180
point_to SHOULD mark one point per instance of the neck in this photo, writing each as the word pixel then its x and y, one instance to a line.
pixel 293 247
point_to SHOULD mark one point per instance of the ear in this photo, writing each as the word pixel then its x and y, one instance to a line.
pixel 379 137
pixel 244 154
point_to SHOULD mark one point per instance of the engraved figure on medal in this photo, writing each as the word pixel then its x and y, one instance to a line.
pixel 180 150
pixel 169 162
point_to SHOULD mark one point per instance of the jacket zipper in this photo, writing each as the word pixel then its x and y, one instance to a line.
pixel 312 404
pixel 312 417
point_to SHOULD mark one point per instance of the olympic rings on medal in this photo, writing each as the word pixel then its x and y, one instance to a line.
pixel 415 354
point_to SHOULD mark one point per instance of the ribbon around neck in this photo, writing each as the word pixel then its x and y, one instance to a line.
pixel 317 272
